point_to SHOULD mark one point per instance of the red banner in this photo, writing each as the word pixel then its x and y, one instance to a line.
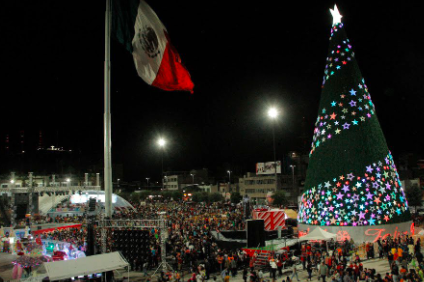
pixel 36 232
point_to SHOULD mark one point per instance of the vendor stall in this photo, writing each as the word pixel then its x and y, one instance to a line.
pixel 318 234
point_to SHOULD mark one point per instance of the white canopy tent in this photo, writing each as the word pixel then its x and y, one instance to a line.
pixel 318 234
pixel 65 269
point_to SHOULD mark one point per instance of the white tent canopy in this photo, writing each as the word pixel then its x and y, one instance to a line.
pixel 64 269
pixel 318 234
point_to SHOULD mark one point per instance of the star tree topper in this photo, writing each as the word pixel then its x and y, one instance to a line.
pixel 337 18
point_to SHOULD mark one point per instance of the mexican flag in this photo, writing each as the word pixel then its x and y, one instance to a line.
pixel 137 26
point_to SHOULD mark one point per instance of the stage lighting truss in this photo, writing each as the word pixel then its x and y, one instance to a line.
pixel 123 225
pixel 51 189
pixel 133 223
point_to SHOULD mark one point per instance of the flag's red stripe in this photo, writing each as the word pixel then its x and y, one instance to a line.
pixel 172 75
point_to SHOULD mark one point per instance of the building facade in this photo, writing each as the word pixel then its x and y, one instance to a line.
pixel 177 180
pixel 173 182
pixel 225 188
pixel 20 181
pixel 257 187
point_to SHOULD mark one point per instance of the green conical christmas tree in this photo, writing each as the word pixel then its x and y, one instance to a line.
pixel 351 179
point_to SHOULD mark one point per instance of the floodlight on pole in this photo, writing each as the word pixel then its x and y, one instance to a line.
pixel 161 143
pixel 294 183
pixel 273 114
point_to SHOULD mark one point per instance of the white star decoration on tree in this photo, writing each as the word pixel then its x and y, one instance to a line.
pixel 337 18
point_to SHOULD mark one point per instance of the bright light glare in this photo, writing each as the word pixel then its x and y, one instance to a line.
pixel 81 199
pixel 161 142
pixel 272 113
pixel 68 180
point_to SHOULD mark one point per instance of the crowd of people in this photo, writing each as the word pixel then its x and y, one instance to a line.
pixel 216 216
pixel 191 244
pixel 404 256
pixel 195 255
pixel 189 233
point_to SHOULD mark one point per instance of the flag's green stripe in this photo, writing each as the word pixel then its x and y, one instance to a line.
pixel 124 13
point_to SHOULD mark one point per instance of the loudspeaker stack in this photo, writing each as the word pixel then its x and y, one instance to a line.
pixel 255 233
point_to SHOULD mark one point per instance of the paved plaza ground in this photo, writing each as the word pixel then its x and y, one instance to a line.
pixel 380 265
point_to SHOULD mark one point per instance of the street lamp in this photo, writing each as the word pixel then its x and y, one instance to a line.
pixel 192 176
pixel 229 180
pixel 147 179
pixel 292 167
pixel 68 180
pixel 273 114
pixel 166 180
pixel 161 143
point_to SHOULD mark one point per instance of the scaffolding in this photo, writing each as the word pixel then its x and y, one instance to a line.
pixel 160 223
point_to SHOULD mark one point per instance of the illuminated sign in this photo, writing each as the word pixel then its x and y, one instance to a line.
pixel 268 168
pixel 371 234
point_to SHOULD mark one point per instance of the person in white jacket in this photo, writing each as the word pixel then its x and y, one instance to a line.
pixel 273 265
pixel 294 273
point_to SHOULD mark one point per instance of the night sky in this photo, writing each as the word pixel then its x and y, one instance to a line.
pixel 243 57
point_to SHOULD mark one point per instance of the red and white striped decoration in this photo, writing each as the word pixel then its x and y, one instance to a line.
pixel 272 218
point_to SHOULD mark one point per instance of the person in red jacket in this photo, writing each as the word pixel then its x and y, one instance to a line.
pixel 252 263
pixel 280 267
pixel 355 269
pixel 328 262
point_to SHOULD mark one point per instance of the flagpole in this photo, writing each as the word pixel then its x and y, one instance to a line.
pixel 107 116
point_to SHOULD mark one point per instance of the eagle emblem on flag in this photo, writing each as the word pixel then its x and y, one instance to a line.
pixel 149 41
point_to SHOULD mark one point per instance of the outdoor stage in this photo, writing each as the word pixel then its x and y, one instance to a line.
pixel 361 234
